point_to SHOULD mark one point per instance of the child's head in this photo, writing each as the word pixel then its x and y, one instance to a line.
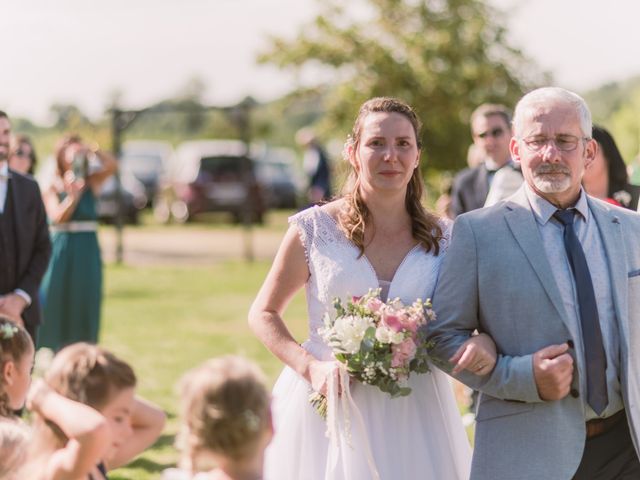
pixel 14 440
pixel 16 363
pixel 225 410
pixel 94 376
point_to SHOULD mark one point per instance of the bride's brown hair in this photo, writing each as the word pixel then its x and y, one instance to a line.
pixel 353 220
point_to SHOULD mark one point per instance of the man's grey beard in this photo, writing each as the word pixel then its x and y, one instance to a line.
pixel 551 185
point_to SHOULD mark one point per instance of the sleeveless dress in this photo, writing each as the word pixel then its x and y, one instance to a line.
pixel 71 289
pixel 415 437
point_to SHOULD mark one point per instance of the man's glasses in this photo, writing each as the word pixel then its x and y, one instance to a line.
pixel 564 143
pixel 495 133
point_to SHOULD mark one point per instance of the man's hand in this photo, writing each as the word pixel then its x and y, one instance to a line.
pixel 553 371
pixel 12 306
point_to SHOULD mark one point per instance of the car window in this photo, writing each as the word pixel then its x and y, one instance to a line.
pixel 223 167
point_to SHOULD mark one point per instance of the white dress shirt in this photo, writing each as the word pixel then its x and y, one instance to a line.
pixel 4 179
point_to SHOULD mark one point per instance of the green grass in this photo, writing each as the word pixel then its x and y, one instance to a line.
pixel 166 320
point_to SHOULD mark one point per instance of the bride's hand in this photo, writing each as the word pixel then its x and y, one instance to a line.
pixel 319 372
pixel 477 355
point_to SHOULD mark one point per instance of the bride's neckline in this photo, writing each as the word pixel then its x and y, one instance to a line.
pixel 364 255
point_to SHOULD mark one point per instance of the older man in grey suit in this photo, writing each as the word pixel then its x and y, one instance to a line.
pixel 554 277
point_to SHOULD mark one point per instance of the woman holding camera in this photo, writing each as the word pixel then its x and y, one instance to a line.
pixel 72 287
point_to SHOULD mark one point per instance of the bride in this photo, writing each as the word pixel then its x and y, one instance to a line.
pixel 377 236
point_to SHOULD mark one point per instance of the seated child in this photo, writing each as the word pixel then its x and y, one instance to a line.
pixel 87 417
pixel 14 438
pixel 16 363
pixel 225 418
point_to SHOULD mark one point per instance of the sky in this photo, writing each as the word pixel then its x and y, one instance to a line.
pixel 81 52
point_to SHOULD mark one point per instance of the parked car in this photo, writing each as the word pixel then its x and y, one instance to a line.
pixel 134 198
pixel 149 161
pixel 276 172
pixel 211 176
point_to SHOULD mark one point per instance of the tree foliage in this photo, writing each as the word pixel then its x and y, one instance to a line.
pixel 444 57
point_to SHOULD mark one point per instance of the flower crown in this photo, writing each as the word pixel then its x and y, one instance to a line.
pixel 7 331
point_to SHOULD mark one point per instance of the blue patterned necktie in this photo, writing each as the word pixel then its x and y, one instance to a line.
pixel 595 358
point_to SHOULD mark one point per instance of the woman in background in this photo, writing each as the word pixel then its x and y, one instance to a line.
pixel 607 178
pixel 23 156
pixel 72 286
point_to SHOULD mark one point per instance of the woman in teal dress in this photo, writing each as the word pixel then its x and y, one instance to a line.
pixel 72 287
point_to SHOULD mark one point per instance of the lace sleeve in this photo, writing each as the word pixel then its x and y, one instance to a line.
pixel 446 225
pixel 304 224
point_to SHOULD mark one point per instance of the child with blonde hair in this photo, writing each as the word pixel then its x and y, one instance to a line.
pixel 225 416
pixel 14 438
pixel 87 419
pixel 16 363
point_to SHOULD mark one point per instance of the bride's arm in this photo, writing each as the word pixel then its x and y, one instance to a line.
pixel 477 355
pixel 289 273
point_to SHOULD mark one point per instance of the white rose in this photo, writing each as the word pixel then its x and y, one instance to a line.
pixel 350 331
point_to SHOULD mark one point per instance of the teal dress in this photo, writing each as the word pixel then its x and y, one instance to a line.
pixel 72 286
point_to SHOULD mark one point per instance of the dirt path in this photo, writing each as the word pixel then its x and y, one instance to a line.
pixel 188 246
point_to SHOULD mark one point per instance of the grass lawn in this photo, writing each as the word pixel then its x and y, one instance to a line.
pixel 165 320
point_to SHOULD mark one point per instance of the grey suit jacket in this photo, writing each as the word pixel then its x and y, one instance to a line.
pixel 496 278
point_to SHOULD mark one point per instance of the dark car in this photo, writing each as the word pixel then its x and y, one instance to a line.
pixel 148 160
pixel 133 198
pixel 211 176
pixel 277 174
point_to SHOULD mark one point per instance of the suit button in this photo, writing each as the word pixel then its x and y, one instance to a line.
pixel 574 393
pixel 570 343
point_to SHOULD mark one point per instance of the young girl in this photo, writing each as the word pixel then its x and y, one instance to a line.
pixel 14 438
pixel 87 417
pixel 225 420
pixel 16 362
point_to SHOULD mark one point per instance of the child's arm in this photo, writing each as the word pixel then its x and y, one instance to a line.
pixel 147 421
pixel 85 427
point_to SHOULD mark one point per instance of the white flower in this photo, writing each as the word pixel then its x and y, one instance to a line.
pixel 386 335
pixel 349 331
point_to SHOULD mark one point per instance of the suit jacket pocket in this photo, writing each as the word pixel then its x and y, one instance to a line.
pixel 491 407
pixel 634 273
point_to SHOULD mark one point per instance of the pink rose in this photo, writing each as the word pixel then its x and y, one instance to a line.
pixel 392 321
pixel 402 353
pixel 374 304
pixel 409 322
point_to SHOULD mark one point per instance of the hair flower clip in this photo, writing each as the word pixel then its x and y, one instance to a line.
pixel 251 420
pixel 7 331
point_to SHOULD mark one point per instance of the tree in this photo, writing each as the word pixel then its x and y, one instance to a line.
pixel 444 57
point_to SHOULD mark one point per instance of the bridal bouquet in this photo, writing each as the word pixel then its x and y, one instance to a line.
pixel 379 343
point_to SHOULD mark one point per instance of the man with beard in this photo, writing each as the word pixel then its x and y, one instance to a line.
pixel 553 276
pixel 24 240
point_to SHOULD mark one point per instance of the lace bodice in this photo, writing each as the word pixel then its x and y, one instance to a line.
pixel 336 270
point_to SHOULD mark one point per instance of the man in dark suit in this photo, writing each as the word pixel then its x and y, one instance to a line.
pixel 24 240
pixel 491 132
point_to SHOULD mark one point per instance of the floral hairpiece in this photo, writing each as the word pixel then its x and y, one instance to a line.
pixel 252 420
pixel 349 143
pixel 7 331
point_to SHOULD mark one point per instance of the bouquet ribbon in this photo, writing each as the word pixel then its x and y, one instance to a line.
pixel 336 415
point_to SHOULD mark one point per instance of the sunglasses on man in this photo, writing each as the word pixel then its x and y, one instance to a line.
pixel 495 133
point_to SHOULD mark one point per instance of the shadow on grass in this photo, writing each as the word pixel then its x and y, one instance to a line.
pixel 165 440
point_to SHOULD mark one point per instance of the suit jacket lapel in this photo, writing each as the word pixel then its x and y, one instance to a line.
pixel 613 243
pixel 523 226
pixel 481 187
pixel 18 199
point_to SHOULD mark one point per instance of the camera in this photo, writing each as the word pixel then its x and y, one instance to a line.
pixel 80 166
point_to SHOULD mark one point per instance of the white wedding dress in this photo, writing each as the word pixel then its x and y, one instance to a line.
pixel 415 437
